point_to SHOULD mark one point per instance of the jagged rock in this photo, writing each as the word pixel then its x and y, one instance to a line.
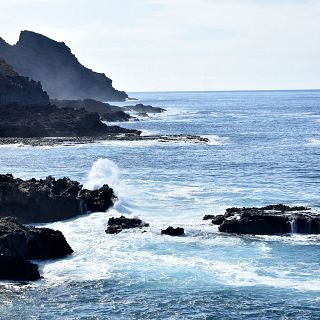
pixel 28 242
pixel 143 109
pixel 116 225
pixel 208 217
pixel 170 231
pixel 18 269
pixel 20 90
pixel 98 200
pixel 105 110
pixel 51 121
pixel 49 200
pixel 272 219
pixel 59 71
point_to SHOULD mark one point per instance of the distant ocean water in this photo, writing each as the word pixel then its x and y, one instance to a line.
pixel 264 149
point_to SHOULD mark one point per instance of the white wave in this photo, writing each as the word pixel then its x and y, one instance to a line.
pixel 215 140
pixel 313 142
pixel 103 171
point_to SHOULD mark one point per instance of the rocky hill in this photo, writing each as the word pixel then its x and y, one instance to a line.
pixel 59 71
pixel 20 90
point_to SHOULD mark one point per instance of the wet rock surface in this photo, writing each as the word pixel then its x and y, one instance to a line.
pixel 17 240
pixel 50 199
pixel 116 225
pixel 170 231
pixel 269 220
pixel 18 269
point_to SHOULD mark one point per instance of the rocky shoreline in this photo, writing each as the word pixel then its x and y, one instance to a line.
pixel 58 141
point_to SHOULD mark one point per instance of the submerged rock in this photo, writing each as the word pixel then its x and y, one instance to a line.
pixel 272 219
pixel 17 240
pixel 49 200
pixel 18 269
pixel 170 231
pixel 116 225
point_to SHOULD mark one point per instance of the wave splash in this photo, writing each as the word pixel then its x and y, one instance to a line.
pixel 103 171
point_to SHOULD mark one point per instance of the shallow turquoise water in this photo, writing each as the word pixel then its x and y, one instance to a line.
pixel 264 148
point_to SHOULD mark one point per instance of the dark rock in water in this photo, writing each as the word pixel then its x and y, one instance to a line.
pixel 50 121
pixel 106 111
pixel 141 108
pixel 27 242
pixel 170 231
pixel 116 225
pixel 97 200
pixel 17 269
pixel 59 71
pixel 20 90
pixel 273 219
pixel 49 200
pixel 208 217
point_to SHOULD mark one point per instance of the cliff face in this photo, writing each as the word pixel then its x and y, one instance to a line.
pixel 20 90
pixel 59 71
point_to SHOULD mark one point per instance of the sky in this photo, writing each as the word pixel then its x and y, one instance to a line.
pixel 173 45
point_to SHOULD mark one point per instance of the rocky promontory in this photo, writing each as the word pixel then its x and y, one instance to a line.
pixel 19 90
pixel 144 109
pixel 49 200
pixel 105 110
pixel 25 112
pixel 61 74
pixel 269 220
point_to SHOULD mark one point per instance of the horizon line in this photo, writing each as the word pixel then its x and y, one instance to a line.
pixel 203 91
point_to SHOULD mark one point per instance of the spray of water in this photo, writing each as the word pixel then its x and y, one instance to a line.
pixel 103 171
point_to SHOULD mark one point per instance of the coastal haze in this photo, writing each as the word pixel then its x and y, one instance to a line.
pixel 151 45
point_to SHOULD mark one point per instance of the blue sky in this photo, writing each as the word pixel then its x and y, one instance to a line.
pixel 151 45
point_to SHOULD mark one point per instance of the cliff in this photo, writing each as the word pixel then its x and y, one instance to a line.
pixel 59 71
pixel 20 90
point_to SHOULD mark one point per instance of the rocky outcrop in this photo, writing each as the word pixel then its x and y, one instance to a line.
pixel 20 90
pixel 17 240
pixel 51 121
pixel 144 109
pixel 49 200
pixel 106 111
pixel 170 231
pixel 269 220
pixel 19 243
pixel 18 269
pixel 116 225
pixel 59 71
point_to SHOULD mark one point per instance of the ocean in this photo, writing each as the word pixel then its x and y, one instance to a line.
pixel 264 149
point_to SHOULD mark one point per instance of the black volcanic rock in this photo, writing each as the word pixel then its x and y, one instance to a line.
pixel 116 225
pixel 106 111
pixel 18 269
pixel 51 121
pixel 272 219
pixel 59 71
pixel 170 231
pixel 141 108
pixel 20 90
pixel 49 200
pixel 28 242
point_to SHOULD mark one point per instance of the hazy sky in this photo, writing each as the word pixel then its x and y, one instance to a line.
pixel 151 45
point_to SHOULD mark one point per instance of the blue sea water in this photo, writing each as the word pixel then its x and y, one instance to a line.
pixel 264 148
